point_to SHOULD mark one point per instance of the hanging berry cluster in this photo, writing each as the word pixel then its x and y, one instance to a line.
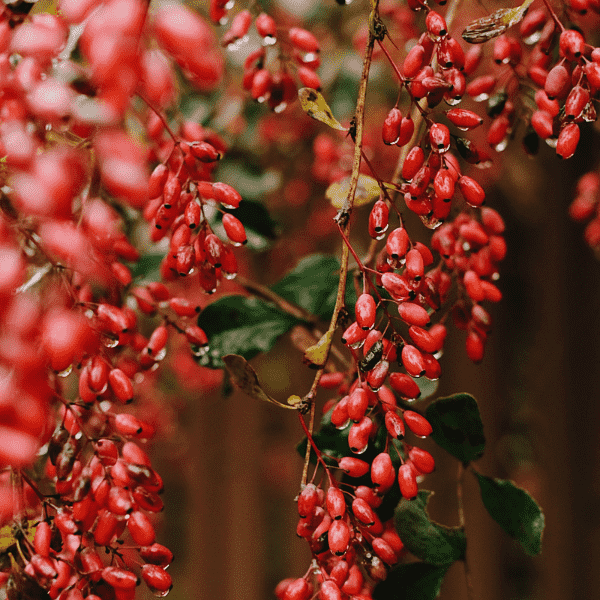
pixel 76 371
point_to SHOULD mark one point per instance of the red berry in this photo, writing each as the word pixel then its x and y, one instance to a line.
pixel 156 578
pixel 407 481
pixel 417 423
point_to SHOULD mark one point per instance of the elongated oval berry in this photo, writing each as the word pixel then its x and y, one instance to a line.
pixel 413 162
pixel 120 385
pixel 339 415
pixel 156 578
pixel 412 360
pixel 335 502
pixel 414 264
pixel 127 424
pixel 378 374
pixel 414 61
pixel 557 82
pixel 141 528
pixel 362 511
pixel 365 310
pixel 299 589
pixel 358 436
pixel 407 128
pixel 382 471
pixel 378 220
pixel 417 423
pixel 234 229
pixel 119 578
pixel 464 119
pixel 391 127
pixel 542 123
pixel 105 528
pixel 354 467
pixel 308 500
pixel 394 425
pixel 354 336
pixel 407 481
pixel 436 24
pixel 157 554
pixel 42 538
pixel 475 346
pixel 385 552
pixel 397 243
pixel 413 314
pixel 354 582
pixel 358 403
pixel 339 537
pixel 571 44
pixel 330 591
pixel 439 137
pixel 422 460
pixel 303 40
pixel 405 385
pixel 266 26
pixel 472 192
pixel 568 139
pixel 157 181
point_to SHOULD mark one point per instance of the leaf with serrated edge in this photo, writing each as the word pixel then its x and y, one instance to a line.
pixel 367 191
pixel 494 25
pixel 246 379
pixel 413 581
pixel 514 510
pixel 426 539
pixel 457 426
pixel 315 106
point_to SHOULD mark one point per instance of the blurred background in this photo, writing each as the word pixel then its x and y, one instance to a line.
pixel 230 467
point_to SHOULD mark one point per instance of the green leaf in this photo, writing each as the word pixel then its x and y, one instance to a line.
pixel 240 325
pixel 457 426
pixel 426 539
pixel 147 267
pixel 313 285
pixel 261 230
pixel 514 510
pixel 414 581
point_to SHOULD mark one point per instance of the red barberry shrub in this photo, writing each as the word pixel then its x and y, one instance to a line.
pixel 145 148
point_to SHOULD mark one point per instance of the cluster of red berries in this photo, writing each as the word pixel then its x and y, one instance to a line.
pixel 352 547
pixel 269 79
pixel 72 353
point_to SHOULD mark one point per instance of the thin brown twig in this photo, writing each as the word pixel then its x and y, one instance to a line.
pixel 346 210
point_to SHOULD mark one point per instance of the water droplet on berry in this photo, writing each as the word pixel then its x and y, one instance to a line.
pixel 161 354
pixel 269 41
pixel 452 101
pixel 109 341
pixel 361 451
pixel 502 145
pixel 533 38
pixel 159 594
pixel 551 141
pixel 343 425
pixel 65 372
pixel 229 276
pixel 431 222
pixel 482 97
